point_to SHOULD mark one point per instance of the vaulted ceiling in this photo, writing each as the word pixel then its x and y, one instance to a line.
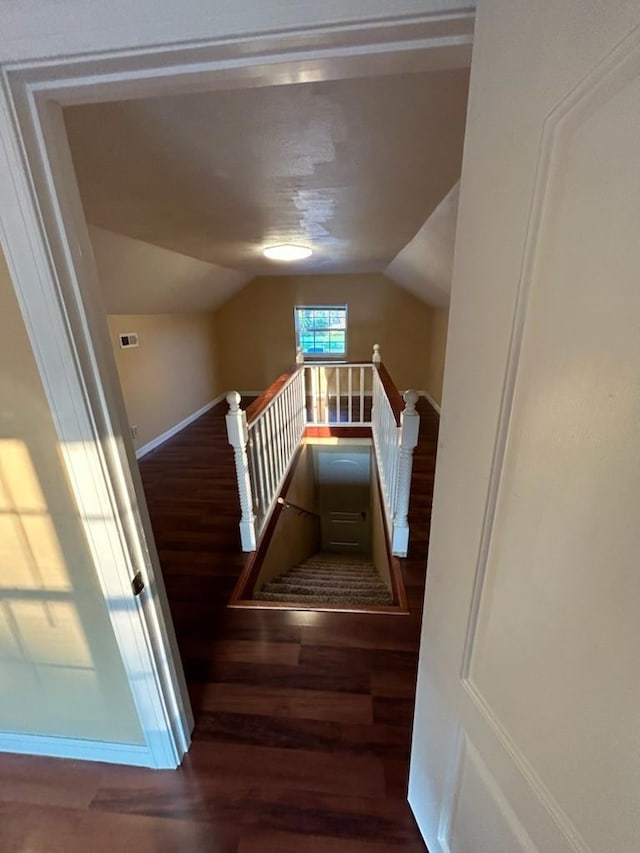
pixel 352 167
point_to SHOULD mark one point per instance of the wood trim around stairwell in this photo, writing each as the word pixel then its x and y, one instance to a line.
pixel 336 431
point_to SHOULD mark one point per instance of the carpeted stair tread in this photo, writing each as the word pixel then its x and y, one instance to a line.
pixel 351 559
pixel 335 583
pixel 346 599
pixel 329 579
pixel 337 567
pixel 323 567
pixel 293 585
pixel 337 576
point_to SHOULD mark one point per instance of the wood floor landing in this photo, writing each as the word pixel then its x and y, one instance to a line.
pixel 303 719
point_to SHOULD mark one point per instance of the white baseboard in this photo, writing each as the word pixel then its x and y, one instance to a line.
pixel 160 439
pixel 83 750
pixel 430 400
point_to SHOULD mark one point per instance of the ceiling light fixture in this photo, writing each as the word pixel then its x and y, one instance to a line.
pixel 286 252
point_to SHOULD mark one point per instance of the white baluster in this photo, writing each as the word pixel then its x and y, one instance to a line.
pixel 325 383
pixel 276 409
pixel 362 395
pixel 289 420
pixel 376 358
pixel 259 467
pixel 302 408
pixel 238 436
pixel 314 393
pixel 282 438
pixel 410 427
pixel 270 447
pixel 266 467
pixel 299 406
pixel 338 393
pixel 350 395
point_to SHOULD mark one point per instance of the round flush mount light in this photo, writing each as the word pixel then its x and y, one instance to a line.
pixel 287 252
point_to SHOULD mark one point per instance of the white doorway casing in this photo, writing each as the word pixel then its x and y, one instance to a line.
pixel 119 51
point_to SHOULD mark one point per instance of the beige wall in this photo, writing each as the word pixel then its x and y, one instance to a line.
pixel 171 374
pixel 255 329
pixel 296 536
pixel 60 670
pixel 437 349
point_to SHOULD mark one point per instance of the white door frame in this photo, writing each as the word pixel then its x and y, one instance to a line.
pixel 45 239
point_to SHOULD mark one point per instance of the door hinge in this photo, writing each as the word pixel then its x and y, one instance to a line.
pixel 137 584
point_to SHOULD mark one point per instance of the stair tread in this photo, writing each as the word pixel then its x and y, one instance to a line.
pixel 283 586
pixel 336 584
pixel 335 567
pixel 348 576
pixel 330 567
pixel 329 578
pixel 323 598
pixel 333 556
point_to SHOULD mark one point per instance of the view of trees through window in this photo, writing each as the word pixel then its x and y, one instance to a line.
pixel 321 330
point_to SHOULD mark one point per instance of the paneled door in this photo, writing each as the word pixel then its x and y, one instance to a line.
pixel 346 532
pixel 527 724
pixel 343 481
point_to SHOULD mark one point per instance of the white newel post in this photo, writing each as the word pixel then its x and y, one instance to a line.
pixel 238 435
pixel 376 358
pixel 299 356
pixel 409 428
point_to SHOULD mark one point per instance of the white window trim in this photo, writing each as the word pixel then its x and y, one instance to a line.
pixel 323 356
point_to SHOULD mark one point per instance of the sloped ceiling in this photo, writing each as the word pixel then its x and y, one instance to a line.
pixel 352 167
pixel 139 278
pixel 425 265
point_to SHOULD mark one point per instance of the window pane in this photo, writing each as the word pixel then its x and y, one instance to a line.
pixel 336 342
pixel 322 341
pixel 322 319
pixel 322 330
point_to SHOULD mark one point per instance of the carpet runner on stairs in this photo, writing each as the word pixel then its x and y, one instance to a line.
pixel 329 579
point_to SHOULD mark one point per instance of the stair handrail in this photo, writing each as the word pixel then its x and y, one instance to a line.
pixel 395 424
pixel 265 438
pixel 285 504
pixel 256 408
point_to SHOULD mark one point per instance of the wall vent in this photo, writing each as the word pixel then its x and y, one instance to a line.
pixel 128 340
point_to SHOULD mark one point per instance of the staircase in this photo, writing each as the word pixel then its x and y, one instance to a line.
pixel 329 579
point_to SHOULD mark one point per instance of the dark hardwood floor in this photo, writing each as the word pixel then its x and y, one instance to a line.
pixel 303 719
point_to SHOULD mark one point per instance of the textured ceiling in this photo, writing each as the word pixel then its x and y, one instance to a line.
pixel 351 167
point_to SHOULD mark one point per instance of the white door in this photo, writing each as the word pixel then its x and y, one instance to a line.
pixel 527 727
pixel 343 484
pixel 345 532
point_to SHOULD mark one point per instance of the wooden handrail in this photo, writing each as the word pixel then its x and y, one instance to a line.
pixel 393 395
pixel 258 406
pixel 318 362
pixel 288 505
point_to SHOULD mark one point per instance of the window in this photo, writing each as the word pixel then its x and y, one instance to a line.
pixel 321 330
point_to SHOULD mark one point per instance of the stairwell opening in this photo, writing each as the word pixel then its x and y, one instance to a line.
pixel 326 546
